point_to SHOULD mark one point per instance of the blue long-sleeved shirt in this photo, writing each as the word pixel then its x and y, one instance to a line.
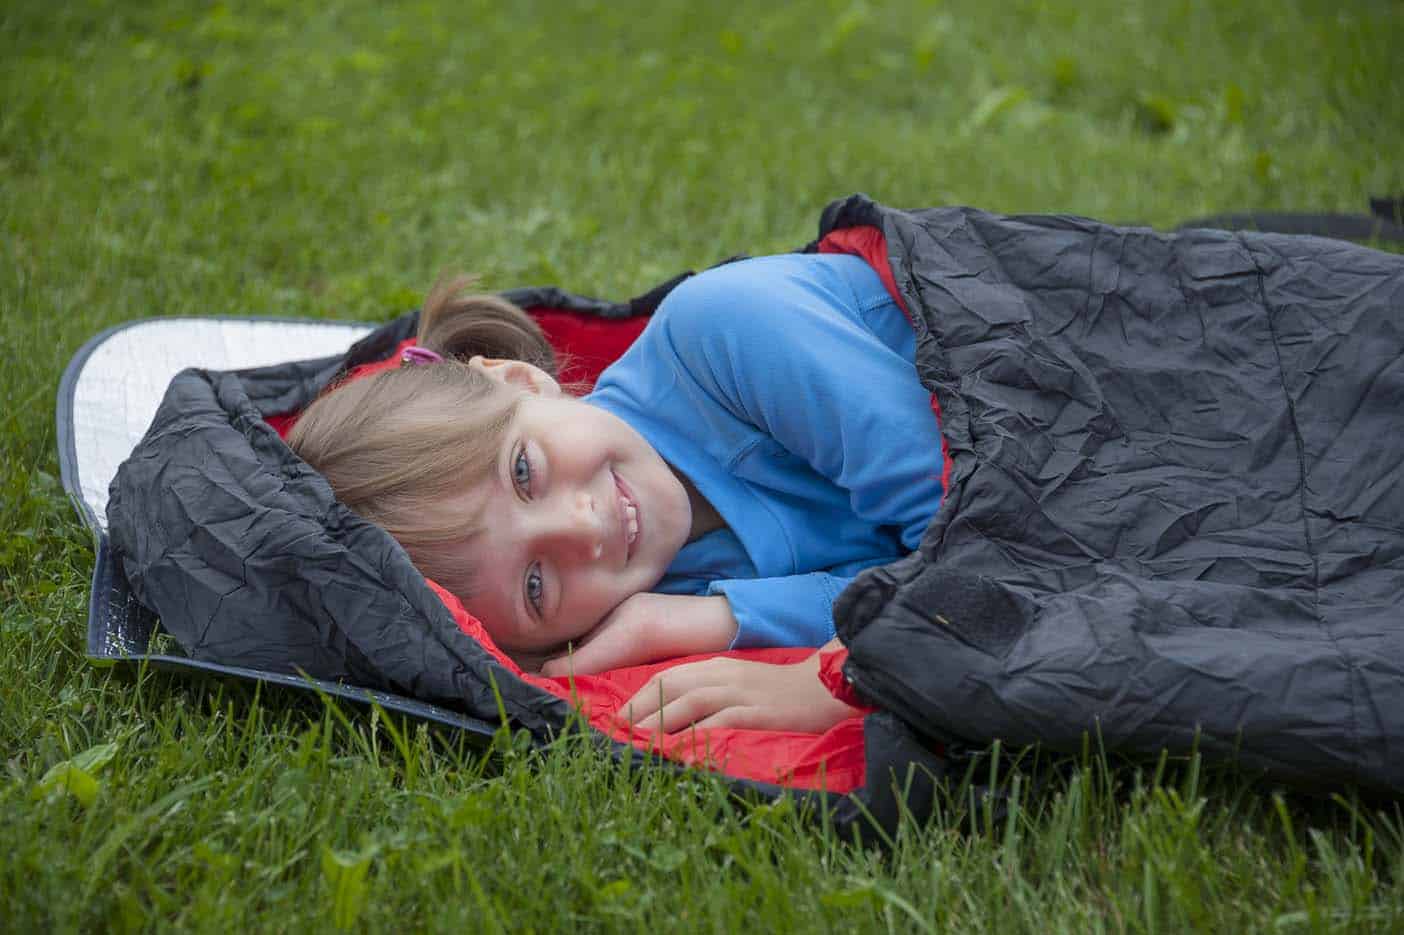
pixel 784 388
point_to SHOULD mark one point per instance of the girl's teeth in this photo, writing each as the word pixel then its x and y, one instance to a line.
pixel 631 518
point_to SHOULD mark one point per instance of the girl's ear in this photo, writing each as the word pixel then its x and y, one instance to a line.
pixel 517 373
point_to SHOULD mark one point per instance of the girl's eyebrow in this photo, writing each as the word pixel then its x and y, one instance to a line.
pixel 557 594
pixel 504 467
pixel 500 466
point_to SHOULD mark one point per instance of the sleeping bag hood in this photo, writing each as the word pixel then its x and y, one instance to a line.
pixel 1174 518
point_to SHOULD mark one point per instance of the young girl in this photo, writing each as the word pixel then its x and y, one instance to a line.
pixel 764 439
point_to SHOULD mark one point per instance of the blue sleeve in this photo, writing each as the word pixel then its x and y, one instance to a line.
pixel 796 610
pixel 813 352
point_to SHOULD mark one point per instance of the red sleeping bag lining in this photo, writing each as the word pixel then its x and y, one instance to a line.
pixel 833 760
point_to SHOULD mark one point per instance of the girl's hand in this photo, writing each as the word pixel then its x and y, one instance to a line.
pixel 647 627
pixel 737 693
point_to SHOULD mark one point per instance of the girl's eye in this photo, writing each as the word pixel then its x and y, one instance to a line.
pixel 535 588
pixel 521 472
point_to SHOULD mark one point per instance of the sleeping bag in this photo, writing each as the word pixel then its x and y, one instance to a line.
pixel 1174 518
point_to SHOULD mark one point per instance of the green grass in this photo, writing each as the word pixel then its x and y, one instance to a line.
pixel 273 158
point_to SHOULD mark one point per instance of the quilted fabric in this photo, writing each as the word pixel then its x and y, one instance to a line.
pixel 1176 509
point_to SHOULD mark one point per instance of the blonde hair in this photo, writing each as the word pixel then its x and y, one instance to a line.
pixel 398 445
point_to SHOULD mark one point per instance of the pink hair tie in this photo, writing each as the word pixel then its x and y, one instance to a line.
pixel 420 356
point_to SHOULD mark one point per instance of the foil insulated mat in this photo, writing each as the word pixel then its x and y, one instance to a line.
pixel 119 385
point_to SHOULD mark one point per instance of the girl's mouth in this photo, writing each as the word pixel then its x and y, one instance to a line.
pixel 629 525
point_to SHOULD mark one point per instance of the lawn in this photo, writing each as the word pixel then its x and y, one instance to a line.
pixel 288 159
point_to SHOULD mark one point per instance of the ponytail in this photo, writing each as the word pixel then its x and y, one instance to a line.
pixel 455 324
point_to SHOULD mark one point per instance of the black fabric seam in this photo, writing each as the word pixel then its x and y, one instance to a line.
pixel 1302 486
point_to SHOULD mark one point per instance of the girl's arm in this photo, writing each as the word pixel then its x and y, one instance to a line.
pixel 792 610
pixel 795 610
pixel 816 358
pixel 738 693
pixel 647 627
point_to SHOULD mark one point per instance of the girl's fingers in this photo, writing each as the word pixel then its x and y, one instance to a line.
pixel 677 713
pixel 668 686
pixel 734 716
pixel 736 694
pixel 648 700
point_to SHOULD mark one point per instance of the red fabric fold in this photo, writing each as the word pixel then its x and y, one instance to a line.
pixel 831 674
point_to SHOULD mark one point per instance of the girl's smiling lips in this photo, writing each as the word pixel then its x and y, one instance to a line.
pixel 627 496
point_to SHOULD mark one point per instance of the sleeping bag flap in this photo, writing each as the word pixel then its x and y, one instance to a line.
pixel 1176 515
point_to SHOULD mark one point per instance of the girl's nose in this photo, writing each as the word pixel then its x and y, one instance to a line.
pixel 582 526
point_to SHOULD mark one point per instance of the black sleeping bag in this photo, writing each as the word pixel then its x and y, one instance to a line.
pixel 1177 503
pixel 1175 515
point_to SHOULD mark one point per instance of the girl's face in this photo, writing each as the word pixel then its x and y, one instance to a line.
pixel 578 514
